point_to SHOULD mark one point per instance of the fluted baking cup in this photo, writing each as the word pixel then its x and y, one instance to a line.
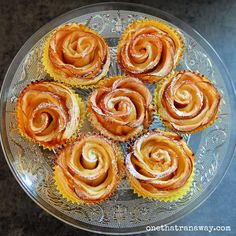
pixel 174 35
pixel 62 183
pixel 73 81
pixel 46 145
pixel 158 107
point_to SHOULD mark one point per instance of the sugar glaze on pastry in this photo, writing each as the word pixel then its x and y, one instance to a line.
pixel 149 50
pixel 49 113
pixel 187 102
pixel 76 55
pixel 88 169
pixel 160 166
pixel 121 108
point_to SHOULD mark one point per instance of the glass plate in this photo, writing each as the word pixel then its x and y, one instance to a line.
pixel 124 212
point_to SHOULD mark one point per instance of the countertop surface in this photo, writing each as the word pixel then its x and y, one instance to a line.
pixel 214 20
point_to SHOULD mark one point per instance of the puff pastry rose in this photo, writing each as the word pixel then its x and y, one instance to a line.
pixel 188 102
pixel 160 165
pixel 49 113
pixel 76 55
pixel 121 108
pixel 88 170
pixel 149 50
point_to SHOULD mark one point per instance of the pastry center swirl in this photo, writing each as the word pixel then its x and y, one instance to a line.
pixel 160 161
pixel 90 167
pixel 188 101
pixel 147 51
pixel 48 112
pixel 123 106
pixel 78 52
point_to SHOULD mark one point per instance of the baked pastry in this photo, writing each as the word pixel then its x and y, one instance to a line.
pixel 121 108
pixel 149 50
pixel 188 102
pixel 88 170
pixel 49 113
pixel 160 166
pixel 76 55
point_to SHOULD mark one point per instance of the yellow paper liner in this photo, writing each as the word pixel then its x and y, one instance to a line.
pixel 73 81
pixel 158 110
pixel 176 194
pixel 96 124
pixel 63 188
pixel 68 194
pixel 162 26
pixel 42 144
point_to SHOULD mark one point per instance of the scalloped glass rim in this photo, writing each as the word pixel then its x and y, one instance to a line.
pixel 117 6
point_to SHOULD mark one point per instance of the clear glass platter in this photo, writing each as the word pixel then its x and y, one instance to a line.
pixel 124 212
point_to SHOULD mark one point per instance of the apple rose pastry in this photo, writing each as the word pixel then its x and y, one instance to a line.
pixel 149 50
pixel 49 113
pixel 160 166
pixel 88 170
pixel 188 102
pixel 121 108
pixel 76 55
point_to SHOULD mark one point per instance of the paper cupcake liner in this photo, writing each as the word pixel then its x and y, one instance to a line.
pixel 102 130
pixel 163 26
pixel 175 194
pixel 73 81
pixel 45 145
pixel 63 188
pixel 68 194
pixel 156 105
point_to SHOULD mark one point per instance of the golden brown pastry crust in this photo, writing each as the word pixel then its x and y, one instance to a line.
pixel 88 170
pixel 187 102
pixel 76 55
pixel 149 50
pixel 121 108
pixel 49 113
pixel 160 166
